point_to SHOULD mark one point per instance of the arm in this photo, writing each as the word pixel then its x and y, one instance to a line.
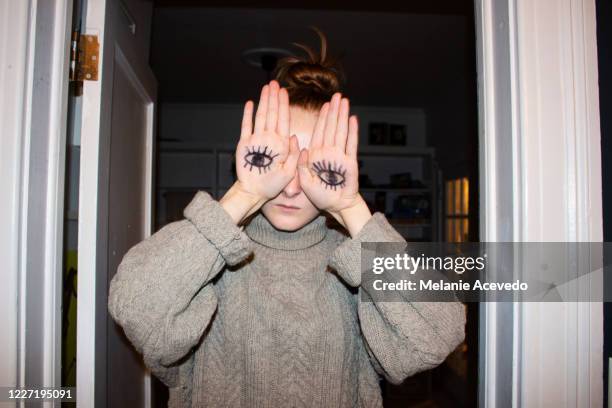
pixel 160 294
pixel 402 338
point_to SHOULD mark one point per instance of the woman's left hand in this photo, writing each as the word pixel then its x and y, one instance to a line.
pixel 328 169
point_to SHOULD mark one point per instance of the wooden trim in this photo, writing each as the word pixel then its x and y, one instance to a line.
pixel 16 45
pixel 538 103
pixel 34 133
pixel 95 15
pixel 559 109
pixel 498 185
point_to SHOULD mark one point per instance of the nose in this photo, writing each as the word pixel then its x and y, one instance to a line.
pixel 293 188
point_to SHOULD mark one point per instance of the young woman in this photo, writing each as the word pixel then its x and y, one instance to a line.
pixel 253 301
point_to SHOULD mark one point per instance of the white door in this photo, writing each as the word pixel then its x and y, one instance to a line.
pixel 117 134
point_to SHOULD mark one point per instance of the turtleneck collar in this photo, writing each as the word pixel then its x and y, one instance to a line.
pixel 263 232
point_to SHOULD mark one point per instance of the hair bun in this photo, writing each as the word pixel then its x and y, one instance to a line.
pixel 310 80
pixel 312 75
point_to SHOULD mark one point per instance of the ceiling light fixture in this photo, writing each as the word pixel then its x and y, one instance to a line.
pixel 264 57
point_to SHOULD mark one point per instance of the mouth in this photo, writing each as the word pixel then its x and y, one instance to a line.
pixel 287 207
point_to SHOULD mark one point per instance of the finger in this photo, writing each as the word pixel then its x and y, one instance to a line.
pixel 342 128
pixel 247 121
pixel 283 113
pixel 332 120
pixel 317 137
pixel 353 137
pixel 272 106
pixel 294 153
pixel 262 109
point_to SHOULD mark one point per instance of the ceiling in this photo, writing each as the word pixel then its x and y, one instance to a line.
pixel 454 7
pixel 390 58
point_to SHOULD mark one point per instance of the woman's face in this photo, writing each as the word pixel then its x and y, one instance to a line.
pixel 291 209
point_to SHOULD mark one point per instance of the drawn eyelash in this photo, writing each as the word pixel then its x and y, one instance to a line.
pixel 256 157
pixel 331 175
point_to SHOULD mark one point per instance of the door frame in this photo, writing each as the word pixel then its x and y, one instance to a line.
pixel 539 103
pixel 518 46
pixel 89 221
pixel 92 314
pixel 34 65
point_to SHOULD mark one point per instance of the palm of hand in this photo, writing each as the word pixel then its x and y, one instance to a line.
pixel 328 171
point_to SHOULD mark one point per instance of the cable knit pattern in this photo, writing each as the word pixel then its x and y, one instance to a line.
pixel 257 317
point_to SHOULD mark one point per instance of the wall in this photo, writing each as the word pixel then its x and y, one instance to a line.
pixel 219 125
pixel 198 128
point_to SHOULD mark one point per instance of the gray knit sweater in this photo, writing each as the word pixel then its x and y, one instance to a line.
pixel 249 317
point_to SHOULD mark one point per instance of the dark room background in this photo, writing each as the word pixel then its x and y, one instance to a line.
pixel 411 79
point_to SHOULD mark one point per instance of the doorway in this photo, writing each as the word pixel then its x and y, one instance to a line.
pixel 411 81
pixel 502 45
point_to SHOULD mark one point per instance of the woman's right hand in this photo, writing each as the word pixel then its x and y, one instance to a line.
pixel 266 157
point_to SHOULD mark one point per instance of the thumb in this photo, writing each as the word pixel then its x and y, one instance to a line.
pixel 303 159
pixel 294 153
pixel 302 166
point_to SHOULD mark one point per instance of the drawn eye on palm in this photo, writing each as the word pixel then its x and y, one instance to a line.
pixel 331 174
pixel 259 157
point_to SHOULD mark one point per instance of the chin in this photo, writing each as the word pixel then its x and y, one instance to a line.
pixel 284 221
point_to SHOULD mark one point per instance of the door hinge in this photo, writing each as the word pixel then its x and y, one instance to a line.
pixel 84 57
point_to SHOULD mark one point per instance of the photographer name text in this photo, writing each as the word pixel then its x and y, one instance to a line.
pixel 441 285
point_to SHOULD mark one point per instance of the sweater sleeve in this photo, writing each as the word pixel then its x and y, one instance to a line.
pixel 402 338
pixel 161 294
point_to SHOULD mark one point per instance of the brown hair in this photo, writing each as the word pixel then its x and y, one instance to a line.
pixel 310 80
